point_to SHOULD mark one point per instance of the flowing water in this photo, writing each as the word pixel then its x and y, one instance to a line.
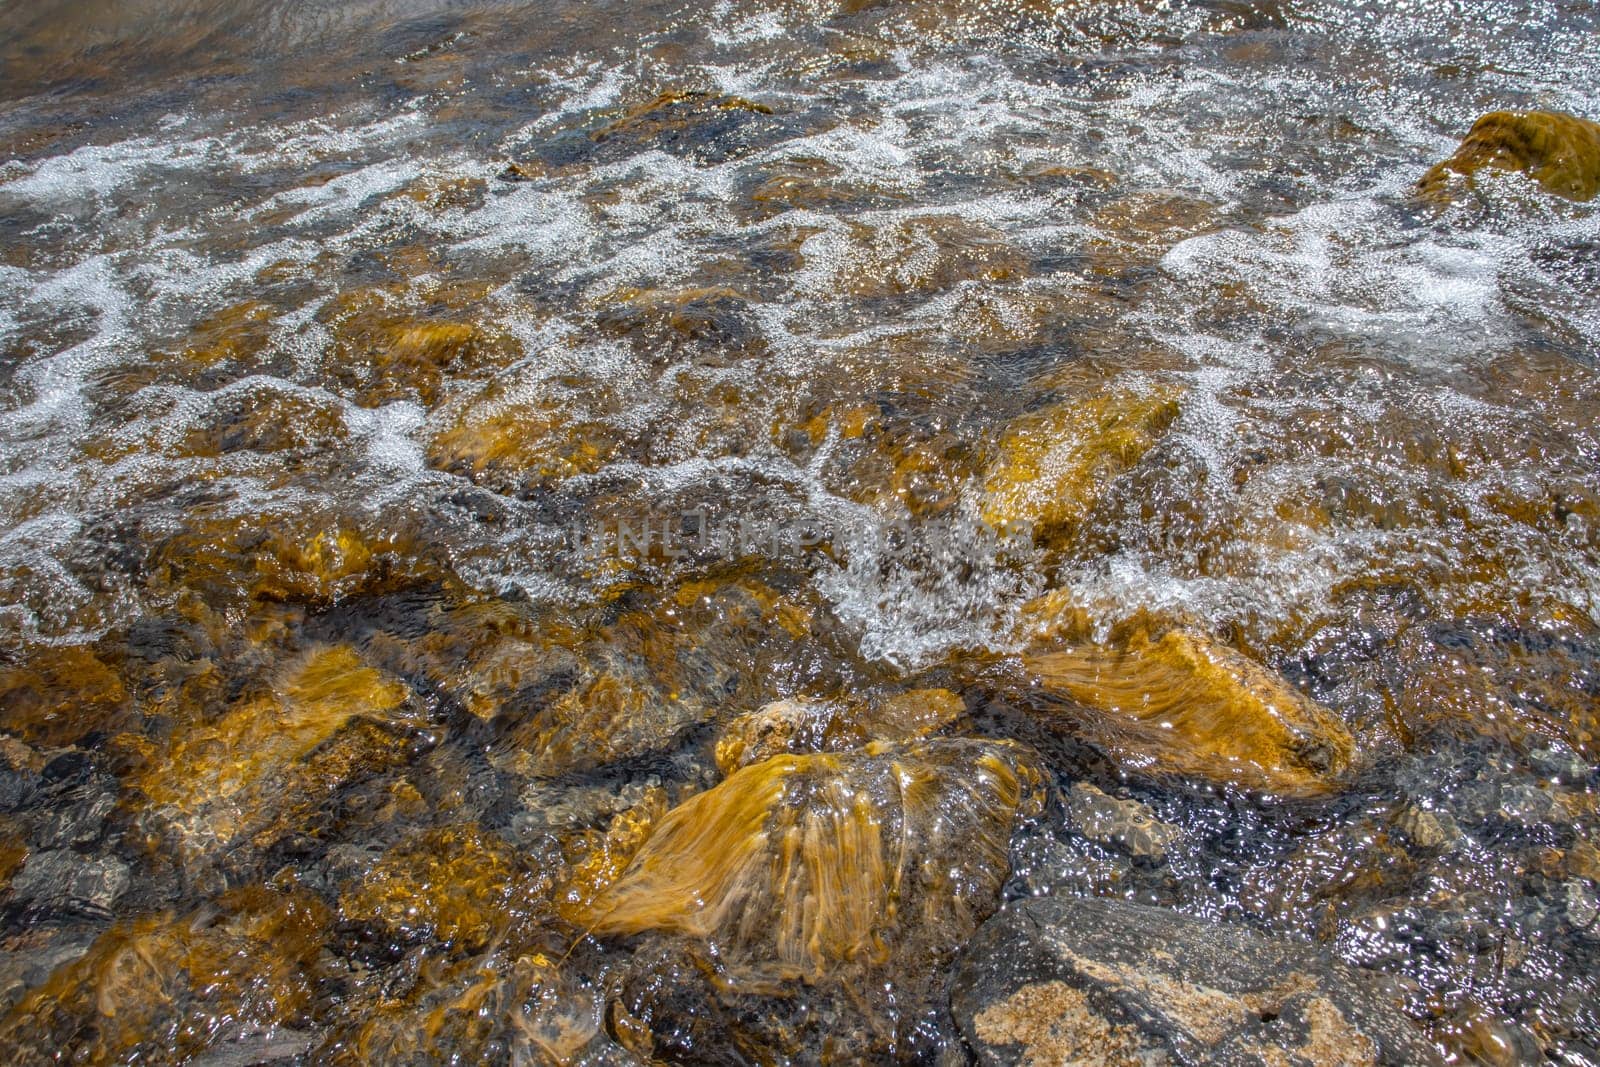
pixel 435 434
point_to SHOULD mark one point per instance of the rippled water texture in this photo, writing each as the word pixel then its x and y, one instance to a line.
pixel 614 533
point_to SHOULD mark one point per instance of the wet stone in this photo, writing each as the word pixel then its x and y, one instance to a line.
pixel 1052 979
pixel 29 958
pixel 1125 824
pixel 795 726
pixel 808 880
pixel 1560 152
pixel 457 885
pixel 261 771
pixel 1583 908
pixel 1428 829
pixel 917 256
pixel 161 988
pixel 707 127
pixel 501 1007
pixel 1172 700
pixel 20 773
pixel 56 696
pixel 1052 467
pixel 61 881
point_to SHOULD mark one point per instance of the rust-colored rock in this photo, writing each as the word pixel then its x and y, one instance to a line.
pixel 1173 701
pixel 508 440
pixel 57 695
pixel 1560 152
pixel 274 758
pixel 800 864
pixel 797 727
pixel 1052 466
pixel 458 885
pixel 161 989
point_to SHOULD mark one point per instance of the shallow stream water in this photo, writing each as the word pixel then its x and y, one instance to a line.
pixel 435 437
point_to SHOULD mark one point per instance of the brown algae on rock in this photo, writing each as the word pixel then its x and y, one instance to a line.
pixel 273 757
pixel 1560 152
pixel 162 988
pixel 1052 466
pixel 1174 701
pixel 798 864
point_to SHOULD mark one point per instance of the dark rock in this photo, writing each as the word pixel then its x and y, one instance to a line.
pixel 30 959
pixel 263 1047
pixel 68 768
pixel 1059 980
pixel 20 774
pixel 61 881
pixel 79 820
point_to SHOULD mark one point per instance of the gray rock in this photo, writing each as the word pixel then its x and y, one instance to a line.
pixel 1125 824
pixel 1057 980
pixel 1583 909
pixel 62 881
pixel 79 823
pixel 257 1048
pixel 23 968
pixel 1428 829
pixel 21 774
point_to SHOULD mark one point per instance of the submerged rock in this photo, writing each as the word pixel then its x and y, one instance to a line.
pixel 458 885
pixel 514 441
pixel 1560 152
pixel 63 881
pixel 708 322
pixel 163 988
pixel 796 726
pixel 305 557
pixel 916 256
pixel 1127 824
pixel 502 1007
pixel 58 695
pixel 708 126
pixel 1054 465
pixel 812 901
pixel 1053 980
pixel 1178 702
pixel 800 863
pixel 272 760
pixel 389 345
pixel 623 711
pixel 234 334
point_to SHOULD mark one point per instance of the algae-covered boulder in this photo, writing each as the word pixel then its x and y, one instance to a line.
pixel 163 988
pixel 387 344
pixel 806 726
pixel 1174 701
pixel 55 696
pixel 505 1006
pixel 813 901
pixel 1052 980
pixel 802 863
pixel 457 885
pixel 1560 152
pixel 1053 466
pixel 260 770
pixel 512 440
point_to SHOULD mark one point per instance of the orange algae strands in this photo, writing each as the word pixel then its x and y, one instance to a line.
pixel 1184 704
pixel 801 863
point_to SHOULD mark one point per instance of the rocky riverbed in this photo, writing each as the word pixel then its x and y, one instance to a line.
pixel 799 532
